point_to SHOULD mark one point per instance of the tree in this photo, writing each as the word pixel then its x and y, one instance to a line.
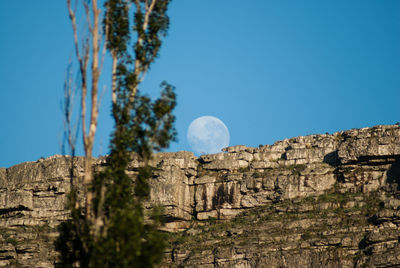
pixel 112 229
pixel 87 50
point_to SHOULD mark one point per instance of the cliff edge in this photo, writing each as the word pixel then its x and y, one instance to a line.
pixel 310 201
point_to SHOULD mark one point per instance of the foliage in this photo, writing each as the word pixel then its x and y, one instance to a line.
pixel 122 234
pixel 297 169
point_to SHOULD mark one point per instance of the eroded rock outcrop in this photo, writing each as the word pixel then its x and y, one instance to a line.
pixel 310 201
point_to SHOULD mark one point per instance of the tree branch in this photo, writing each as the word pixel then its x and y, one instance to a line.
pixel 139 70
pixel 87 13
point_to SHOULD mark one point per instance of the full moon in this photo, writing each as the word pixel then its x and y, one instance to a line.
pixel 207 135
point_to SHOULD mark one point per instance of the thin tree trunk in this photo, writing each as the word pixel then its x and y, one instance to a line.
pixel 89 124
pixel 114 79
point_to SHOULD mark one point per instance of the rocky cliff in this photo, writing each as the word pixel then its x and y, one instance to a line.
pixel 312 201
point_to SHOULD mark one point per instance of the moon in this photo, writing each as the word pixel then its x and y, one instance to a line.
pixel 207 135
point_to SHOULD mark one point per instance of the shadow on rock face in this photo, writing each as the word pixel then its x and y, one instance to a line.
pixel 222 196
pixel 393 175
pixel 332 158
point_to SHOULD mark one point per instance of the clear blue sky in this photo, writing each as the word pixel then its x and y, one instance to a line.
pixel 269 69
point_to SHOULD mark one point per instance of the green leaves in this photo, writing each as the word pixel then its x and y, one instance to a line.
pixel 150 31
pixel 152 122
pixel 124 234
pixel 116 26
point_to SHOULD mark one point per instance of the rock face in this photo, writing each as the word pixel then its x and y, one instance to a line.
pixel 312 201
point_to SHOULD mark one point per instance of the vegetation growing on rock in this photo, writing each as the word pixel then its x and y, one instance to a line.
pixel 341 208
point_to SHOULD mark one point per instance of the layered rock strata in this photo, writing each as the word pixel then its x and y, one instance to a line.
pixel 310 201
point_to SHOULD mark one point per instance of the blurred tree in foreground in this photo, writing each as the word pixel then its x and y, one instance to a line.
pixel 111 229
